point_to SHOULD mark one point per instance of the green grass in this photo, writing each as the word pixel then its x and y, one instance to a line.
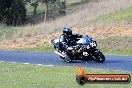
pixel 33 76
pixel 123 14
pixel 116 45
pixel 118 52
pixel 7 32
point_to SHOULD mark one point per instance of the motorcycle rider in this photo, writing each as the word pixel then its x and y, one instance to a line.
pixel 68 39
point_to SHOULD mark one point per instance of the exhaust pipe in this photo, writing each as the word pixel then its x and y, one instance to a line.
pixel 59 54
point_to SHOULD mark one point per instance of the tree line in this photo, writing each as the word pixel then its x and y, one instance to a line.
pixel 13 12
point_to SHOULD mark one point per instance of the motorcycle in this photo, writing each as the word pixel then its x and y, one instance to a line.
pixel 85 49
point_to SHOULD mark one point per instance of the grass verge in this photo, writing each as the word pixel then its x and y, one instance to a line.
pixel 116 45
pixel 121 15
pixel 105 51
pixel 118 52
pixel 7 32
pixel 33 76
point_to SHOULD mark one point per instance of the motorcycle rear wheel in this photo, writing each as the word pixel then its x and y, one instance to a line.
pixel 68 59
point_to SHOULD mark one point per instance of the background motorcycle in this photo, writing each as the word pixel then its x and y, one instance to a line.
pixel 85 49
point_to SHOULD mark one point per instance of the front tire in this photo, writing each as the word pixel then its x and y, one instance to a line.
pixel 100 58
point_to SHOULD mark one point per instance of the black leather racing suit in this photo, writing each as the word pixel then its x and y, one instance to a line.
pixel 66 41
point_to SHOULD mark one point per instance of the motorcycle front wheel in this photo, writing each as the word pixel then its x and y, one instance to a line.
pixel 100 58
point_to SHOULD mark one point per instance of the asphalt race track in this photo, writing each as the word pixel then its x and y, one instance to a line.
pixel 49 58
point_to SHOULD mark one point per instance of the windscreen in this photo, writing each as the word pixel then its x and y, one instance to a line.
pixel 85 40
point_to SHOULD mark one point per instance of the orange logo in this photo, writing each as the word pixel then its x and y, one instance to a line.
pixel 83 78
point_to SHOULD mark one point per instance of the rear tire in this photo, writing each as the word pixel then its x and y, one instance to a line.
pixel 68 59
pixel 62 57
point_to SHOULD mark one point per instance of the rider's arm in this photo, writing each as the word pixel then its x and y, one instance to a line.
pixel 63 42
pixel 77 36
pixel 62 39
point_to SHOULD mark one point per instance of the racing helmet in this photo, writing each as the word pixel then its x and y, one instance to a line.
pixel 67 31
